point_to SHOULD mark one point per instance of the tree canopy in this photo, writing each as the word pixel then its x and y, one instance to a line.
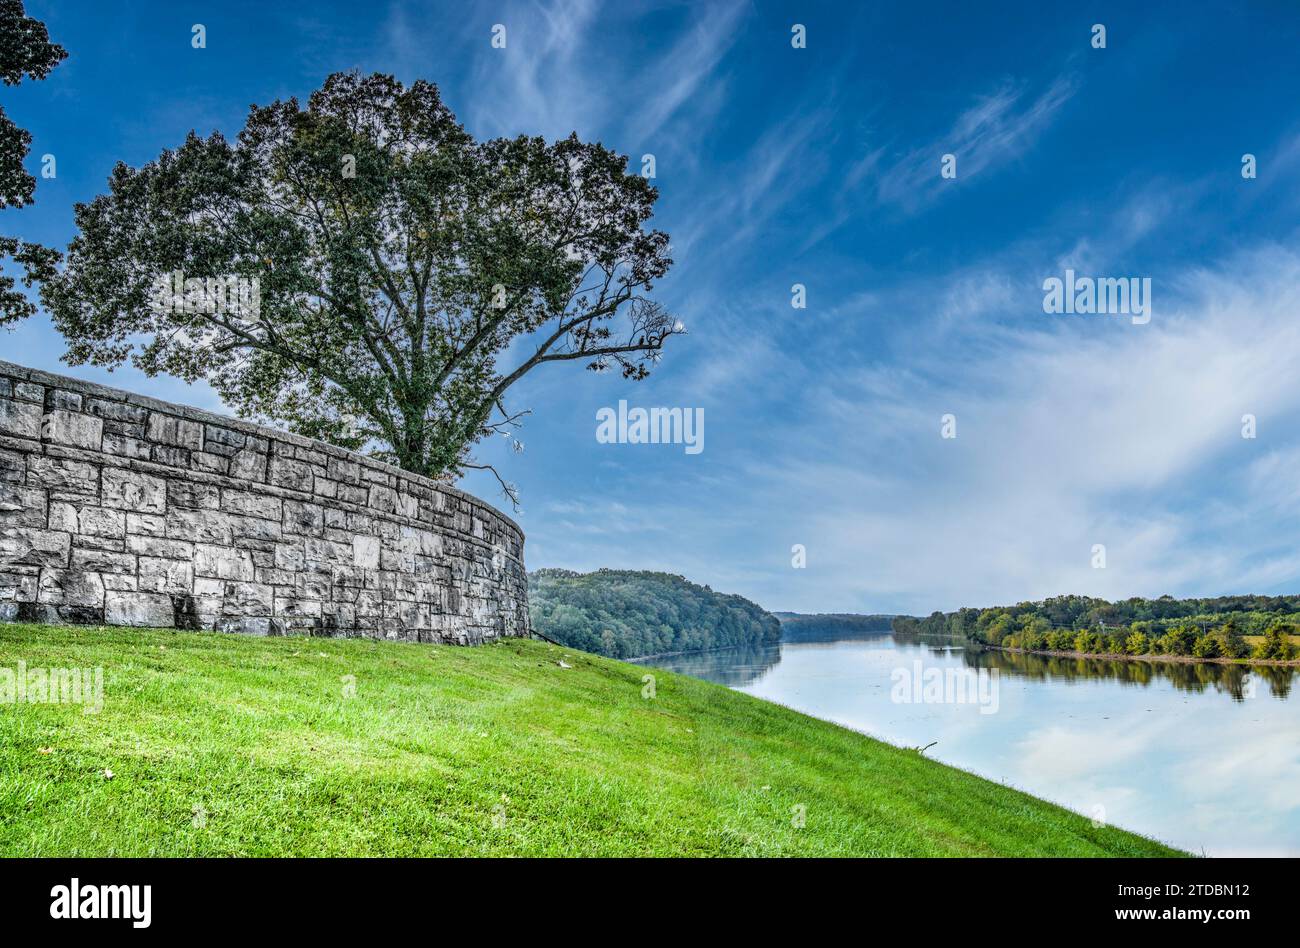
pixel 386 262
pixel 25 52
pixel 1197 628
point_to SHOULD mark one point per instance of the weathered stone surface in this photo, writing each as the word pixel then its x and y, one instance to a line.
pixel 62 477
pixel 306 519
pixel 29 392
pixel 222 562
pixel 20 419
pixel 251 504
pixel 158 547
pixel 248 465
pixel 215 434
pixel 13 467
pixel 24 546
pixel 72 428
pixel 127 511
pixel 68 587
pixel 146 525
pixel 290 473
pixel 182 493
pixel 22 506
pixel 365 552
pixel 205 526
pixel 58 398
pixel 105 561
pixel 173 431
pixel 139 609
pixel 128 490
pixel 120 445
pixel 87 521
pixel 116 411
pixel 169 576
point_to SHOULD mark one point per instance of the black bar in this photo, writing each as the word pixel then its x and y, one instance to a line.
pixel 333 897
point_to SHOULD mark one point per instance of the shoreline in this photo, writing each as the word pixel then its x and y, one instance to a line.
pixel 1112 656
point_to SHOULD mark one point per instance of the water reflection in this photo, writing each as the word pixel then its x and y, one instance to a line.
pixel 1237 681
pixel 733 667
pixel 1203 756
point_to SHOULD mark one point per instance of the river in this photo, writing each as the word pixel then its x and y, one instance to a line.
pixel 1205 757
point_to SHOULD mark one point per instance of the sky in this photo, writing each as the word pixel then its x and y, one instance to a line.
pixel 824 426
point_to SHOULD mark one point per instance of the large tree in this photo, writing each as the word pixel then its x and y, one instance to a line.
pixel 396 260
pixel 25 51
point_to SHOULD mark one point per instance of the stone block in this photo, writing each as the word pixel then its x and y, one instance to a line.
pixel 13 467
pixel 73 429
pixel 23 546
pixel 365 552
pixel 165 575
pixel 301 518
pixel 250 504
pixel 202 526
pixel 215 434
pixel 128 490
pixel 146 525
pixel 248 465
pixel 30 392
pixel 116 411
pixel 20 419
pixel 290 473
pixel 70 587
pixel 85 521
pixel 255 599
pixel 124 446
pixel 222 562
pixel 139 609
pixel 211 463
pixel 64 479
pixel 58 398
pixel 22 506
pixel 291 606
pixel 289 557
pixel 119 582
pixel 169 456
pixel 340 470
pixel 175 432
pixel 182 493
pixel 354 494
pixel 104 561
pixel 383 499
pixel 159 547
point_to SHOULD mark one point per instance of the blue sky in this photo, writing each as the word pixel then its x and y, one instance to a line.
pixel 821 166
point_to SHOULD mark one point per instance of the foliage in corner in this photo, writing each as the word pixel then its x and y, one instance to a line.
pixel 25 51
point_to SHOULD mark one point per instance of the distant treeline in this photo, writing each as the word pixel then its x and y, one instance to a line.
pixel 831 626
pixel 1200 628
pixel 628 614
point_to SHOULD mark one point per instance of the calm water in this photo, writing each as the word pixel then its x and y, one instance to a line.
pixel 1206 757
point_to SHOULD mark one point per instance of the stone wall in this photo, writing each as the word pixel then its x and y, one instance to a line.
pixel 119 509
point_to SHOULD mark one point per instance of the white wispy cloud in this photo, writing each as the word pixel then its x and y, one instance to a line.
pixel 1068 435
pixel 1000 126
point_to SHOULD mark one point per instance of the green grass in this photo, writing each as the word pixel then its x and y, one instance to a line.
pixel 227 745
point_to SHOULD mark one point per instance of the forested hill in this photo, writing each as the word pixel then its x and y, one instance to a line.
pixel 628 614
pixel 830 627
pixel 1203 628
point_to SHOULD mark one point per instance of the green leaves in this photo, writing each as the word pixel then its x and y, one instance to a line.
pixel 25 50
pixel 397 260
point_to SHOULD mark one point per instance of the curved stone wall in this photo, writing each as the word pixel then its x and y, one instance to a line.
pixel 119 509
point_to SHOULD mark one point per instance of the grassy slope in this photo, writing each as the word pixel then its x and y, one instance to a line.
pixel 442 750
